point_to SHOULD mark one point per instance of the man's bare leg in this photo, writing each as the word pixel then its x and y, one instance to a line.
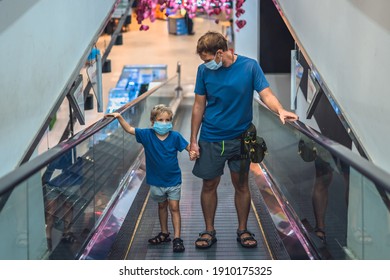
pixel 242 200
pixel 209 201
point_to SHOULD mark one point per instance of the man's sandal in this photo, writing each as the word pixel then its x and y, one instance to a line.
pixel 160 238
pixel 244 240
pixel 209 240
pixel 178 245
pixel 320 233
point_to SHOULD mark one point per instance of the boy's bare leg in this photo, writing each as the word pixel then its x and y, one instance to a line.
pixel 176 218
pixel 163 215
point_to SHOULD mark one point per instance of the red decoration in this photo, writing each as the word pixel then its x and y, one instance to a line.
pixel 146 9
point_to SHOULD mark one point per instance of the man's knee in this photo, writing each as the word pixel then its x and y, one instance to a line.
pixel 242 189
pixel 210 185
pixel 240 181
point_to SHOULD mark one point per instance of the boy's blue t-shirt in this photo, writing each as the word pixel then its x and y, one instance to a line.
pixel 162 166
pixel 229 92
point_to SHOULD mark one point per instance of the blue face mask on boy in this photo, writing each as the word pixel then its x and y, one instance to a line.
pixel 212 65
pixel 162 128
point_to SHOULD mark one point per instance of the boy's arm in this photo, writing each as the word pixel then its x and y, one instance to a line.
pixel 128 128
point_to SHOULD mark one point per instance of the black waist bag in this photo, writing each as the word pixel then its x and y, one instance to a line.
pixel 252 146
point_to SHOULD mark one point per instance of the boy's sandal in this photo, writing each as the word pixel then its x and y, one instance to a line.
pixel 178 245
pixel 244 240
pixel 209 240
pixel 160 238
pixel 320 233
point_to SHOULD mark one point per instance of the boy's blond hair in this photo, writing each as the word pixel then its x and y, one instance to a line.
pixel 158 109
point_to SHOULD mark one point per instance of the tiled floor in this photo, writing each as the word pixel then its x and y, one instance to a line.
pixel 155 46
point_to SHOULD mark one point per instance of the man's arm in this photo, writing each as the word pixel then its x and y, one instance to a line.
pixel 196 120
pixel 269 99
pixel 128 128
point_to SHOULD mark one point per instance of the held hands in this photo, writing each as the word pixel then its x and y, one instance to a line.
pixel 192 155
pixel 194 151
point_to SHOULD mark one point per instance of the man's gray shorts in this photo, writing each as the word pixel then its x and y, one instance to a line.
pixel 213 156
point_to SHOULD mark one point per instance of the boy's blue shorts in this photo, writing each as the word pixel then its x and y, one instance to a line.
pixel 161 194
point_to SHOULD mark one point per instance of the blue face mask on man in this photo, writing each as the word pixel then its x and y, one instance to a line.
pixel 162 128
pixel 212 65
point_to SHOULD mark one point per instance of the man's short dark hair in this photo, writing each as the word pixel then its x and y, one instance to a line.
pixel 211 42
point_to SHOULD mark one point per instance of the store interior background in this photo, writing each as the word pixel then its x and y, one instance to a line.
pixel 37 68
pixel 157 46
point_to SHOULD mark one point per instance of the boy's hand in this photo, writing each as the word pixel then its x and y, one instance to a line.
pixel 113 115
pixel 193 155
pixel 194 151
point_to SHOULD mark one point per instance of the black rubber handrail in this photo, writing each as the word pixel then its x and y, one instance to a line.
pixel 24 171
pixel 377 175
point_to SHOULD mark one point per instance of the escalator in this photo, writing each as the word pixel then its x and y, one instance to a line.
pixel 305 183
pixel 137 247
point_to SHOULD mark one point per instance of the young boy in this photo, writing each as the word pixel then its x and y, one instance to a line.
pixel 163 173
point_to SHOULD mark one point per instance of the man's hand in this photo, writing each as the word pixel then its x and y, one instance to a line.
pixel 286 115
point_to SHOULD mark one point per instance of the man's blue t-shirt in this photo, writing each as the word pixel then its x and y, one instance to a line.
pixel 162 166
pixel 229 92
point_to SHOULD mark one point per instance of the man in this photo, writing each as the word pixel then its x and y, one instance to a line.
pixel 224 89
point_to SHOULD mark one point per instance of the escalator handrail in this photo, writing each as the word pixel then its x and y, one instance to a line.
pixel 26 170
pixel 377 175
